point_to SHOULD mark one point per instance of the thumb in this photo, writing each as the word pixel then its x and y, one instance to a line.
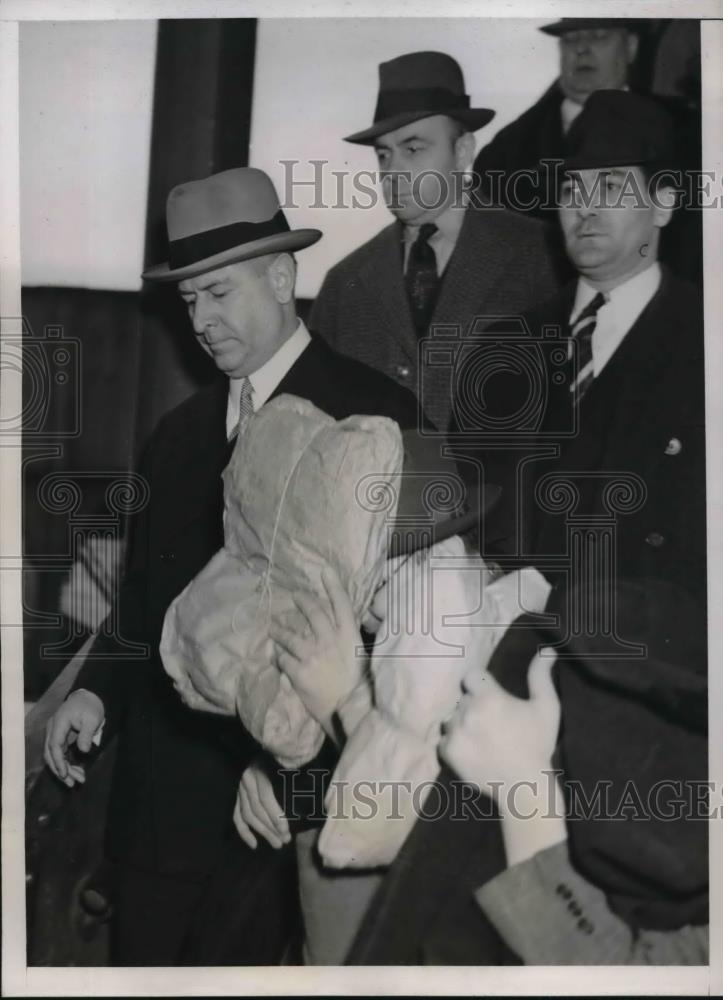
pixel 86 733
pixel 539 677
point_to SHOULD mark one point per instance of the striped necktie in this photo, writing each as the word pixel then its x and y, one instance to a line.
pixel 245 404
pixel 581 332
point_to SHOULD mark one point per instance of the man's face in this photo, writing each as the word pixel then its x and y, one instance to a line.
pixel 610 222
pixel 236 315
pixel 418 164
pixel 595 59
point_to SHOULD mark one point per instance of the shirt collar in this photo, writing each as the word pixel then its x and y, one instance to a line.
pixel 629 298
pixel 449 224
pixel 615 319
pixel 268 376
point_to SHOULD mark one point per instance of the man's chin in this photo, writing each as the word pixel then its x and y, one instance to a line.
pixel 408 214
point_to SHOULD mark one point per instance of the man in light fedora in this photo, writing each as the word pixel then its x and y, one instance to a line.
pixel 170 830
pixel 443 262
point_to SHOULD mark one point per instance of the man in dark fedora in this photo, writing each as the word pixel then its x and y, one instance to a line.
pixel 596 53
pixel 609 491
pixel 170 831
pixel 443 262
pixel 519 166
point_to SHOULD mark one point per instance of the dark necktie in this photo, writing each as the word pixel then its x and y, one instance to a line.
pixel 581 332
pixel 421 278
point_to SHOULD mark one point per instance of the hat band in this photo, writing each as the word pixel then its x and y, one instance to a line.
pixel 432 99
pixel 199 246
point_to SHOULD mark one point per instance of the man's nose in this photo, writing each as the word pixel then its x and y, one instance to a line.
pixel 586 206
pixel 202 318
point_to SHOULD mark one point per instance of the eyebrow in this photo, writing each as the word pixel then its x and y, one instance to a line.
pixel 402 142
pixel 221 282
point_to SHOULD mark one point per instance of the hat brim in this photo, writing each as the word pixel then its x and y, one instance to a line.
pixel 296 239
pixel 407 539
pixel 574 164
pixel 471 118
pixel 559 28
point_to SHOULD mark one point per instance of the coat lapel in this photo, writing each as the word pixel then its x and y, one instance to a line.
pixel 475 266
pixel 381 275
pixel 193 462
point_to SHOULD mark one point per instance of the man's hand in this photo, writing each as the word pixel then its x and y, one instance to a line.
pixel 316 648
pixel 257 809
pixel 495 740
pixel 78 720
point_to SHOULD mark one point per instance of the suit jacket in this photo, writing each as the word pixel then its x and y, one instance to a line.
pixel 177 770
pixel 643 416
pixel 501 265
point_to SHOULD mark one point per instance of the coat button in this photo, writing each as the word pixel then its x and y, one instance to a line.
pixel 168 557
pixel 401 371
pixel 655 539
pixel 673 447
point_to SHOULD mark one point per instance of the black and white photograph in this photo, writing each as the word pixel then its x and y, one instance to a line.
pixel 360 556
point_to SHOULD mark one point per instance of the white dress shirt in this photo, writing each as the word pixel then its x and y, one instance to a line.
pixel 265 380
pixel 569 110
pixel 615 318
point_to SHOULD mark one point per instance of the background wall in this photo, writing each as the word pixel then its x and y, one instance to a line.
pixel 316 81
pixel 86 100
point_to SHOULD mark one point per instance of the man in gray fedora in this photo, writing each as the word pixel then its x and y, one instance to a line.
pixel 170 832
pixel 444 262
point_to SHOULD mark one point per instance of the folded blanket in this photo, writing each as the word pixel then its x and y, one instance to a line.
pixel 293 505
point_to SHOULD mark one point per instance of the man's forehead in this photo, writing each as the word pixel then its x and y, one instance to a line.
pixel 202 281
pixel 592 35
pixel 424 128
pixel 591 174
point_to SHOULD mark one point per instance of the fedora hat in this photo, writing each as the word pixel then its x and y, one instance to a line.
pixel 565 24
pixel 617 128
pixel 434 502
pixel 419 85
pixel 223 219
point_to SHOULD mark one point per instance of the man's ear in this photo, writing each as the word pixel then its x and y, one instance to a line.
pixel 282 276
pixel 664 201
pixel 464 151
pixel 632 47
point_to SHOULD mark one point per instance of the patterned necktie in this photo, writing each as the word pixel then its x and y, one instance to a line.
pixel 581 332
pixel 245 404
pixel 421 278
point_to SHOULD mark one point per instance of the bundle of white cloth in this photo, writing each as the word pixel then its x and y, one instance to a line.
pixel 291 507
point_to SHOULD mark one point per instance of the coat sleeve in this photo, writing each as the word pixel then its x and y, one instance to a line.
pixel 109 671
pixel 550 915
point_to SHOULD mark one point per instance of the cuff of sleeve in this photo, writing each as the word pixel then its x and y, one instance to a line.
pixel 550 915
